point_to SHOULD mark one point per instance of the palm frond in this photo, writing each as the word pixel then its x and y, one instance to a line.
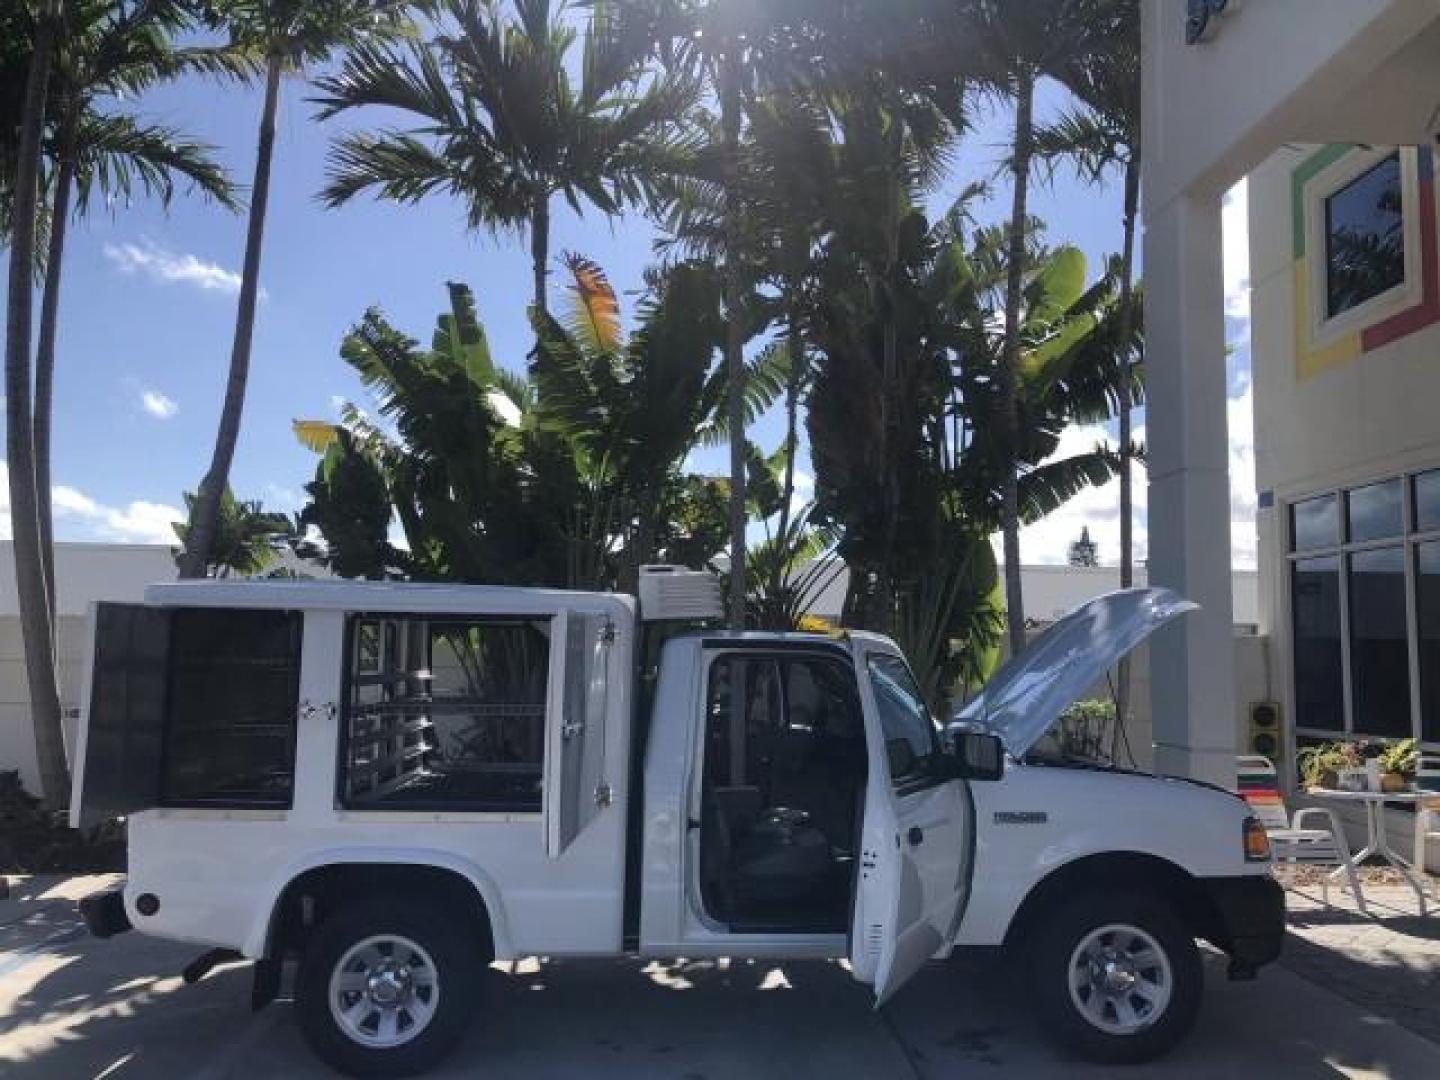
pixel 595 313
pixel 119 155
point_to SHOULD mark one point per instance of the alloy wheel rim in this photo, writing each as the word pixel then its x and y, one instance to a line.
pixel 1120 979
pixel 384 991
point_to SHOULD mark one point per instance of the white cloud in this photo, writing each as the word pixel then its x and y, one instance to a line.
pixel 80 517
pixel 1235 229
pixel 158 405
pixel 1048 541
pixel 161 264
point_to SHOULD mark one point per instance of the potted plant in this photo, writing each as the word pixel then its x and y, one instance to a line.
pixel 1397 764
pixel 1332 764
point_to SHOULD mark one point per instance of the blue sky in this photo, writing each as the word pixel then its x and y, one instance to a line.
pixel 149 307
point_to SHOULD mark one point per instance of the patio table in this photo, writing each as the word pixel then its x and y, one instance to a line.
pixel 1376 842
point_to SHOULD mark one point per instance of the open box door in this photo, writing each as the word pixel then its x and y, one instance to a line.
pixel 117 765
pixel 576 789
pixel 917 847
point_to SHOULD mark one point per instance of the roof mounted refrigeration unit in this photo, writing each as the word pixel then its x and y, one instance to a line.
pixel 673 593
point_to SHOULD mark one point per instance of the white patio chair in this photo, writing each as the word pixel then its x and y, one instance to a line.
pixel 1293 840
pixel 1427 812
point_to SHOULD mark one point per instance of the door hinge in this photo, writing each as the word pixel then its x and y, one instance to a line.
pixel 308 711
pixel 603 795
pixel 572 730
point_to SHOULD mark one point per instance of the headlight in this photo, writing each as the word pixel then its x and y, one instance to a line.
pixel 1257 841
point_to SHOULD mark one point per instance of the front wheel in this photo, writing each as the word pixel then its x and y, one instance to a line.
pixel 385 989
pixel 1117 977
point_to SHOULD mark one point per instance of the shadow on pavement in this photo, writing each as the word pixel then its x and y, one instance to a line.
pixel 76 1007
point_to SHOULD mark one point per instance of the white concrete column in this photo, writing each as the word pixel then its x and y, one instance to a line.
pixel 1192 673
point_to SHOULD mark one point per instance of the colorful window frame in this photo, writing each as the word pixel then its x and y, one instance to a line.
pixel 1321 341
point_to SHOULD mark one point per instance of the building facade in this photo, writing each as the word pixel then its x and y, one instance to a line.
pixel 1346 320
pixel 1331 108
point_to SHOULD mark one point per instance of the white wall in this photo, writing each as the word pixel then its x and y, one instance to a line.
pixel 1268 71
pixel 1367 418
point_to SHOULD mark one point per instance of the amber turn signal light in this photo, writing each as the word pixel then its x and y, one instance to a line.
pixel 1257 842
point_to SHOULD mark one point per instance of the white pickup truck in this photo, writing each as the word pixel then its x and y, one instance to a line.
pixel 398 783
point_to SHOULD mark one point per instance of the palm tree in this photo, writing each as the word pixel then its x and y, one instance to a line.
pixel 249 538
pixel 111 51
pixel 284 35
pixel 1009 48
pixel 722 44
pixel 36 618
pixel 570 476
pixel 787 169
pixel 1104 134
pixel 500 122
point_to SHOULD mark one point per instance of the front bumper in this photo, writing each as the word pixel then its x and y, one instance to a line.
pixel 1249 912
pixel 104 913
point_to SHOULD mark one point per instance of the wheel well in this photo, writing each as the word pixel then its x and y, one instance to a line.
pixel 316 894
pixel 1123 871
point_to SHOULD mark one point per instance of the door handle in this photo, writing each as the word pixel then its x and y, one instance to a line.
pixel 916 836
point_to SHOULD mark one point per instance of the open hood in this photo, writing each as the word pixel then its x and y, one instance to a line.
pixel 1028 694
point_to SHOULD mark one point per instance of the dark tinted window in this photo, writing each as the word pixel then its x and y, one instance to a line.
pixel 1319 675
pixel 1427 595
pixel 1379 653
pixel 1315 523
pixel 446 714
pixel 1427 501
pixel 1364 238
pixel 230 712
pixel 1375 511
pixel 912 745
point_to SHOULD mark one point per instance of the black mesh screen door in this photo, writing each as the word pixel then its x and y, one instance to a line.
pixel 119 749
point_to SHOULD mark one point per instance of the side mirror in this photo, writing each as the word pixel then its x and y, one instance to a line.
pixel 978 756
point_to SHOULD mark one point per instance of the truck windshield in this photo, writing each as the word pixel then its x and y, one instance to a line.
pixel 912 743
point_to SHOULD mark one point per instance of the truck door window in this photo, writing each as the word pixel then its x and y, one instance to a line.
pixel 912 744
pixel 445 713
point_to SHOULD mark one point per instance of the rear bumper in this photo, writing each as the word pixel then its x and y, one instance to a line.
pixel 104 914
pixel 1250 911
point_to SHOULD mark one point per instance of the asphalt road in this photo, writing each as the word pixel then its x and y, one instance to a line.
pixel 73 1007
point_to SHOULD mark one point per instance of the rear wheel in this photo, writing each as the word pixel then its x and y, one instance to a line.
pixel 1117 977
pixel 385 988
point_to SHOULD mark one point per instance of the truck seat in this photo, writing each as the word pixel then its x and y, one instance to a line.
pixel 756 855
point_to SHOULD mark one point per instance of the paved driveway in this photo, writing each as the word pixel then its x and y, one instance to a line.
pixel 72 1007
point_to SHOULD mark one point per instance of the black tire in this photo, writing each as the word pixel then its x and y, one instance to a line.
pixel 457 956
pixel 1059 934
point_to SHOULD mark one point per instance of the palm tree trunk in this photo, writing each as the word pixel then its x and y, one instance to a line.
pixel 37 627
pixel 1014 296
pixel 45 352
pixel 540 250
pixel 734 331
pixel 196 558
pixel 795 345
pixel 1127 495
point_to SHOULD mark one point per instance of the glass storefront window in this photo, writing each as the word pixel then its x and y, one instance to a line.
pixel 1379 645
pixel 1375 511
pixel 1315 523
pixel 1319 682
pixel 1427 600
pixel 1427 501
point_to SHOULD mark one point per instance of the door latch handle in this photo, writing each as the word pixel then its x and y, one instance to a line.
pixel 916 836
